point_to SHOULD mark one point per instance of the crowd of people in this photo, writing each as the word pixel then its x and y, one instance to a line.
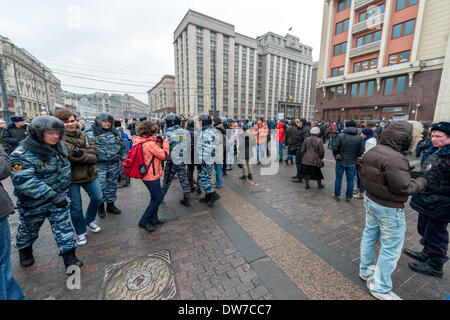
pixel 52 158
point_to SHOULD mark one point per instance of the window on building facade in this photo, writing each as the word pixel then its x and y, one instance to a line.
pixel 395 85
pixel 213 35
pixel 342 26
pixel 199 50
pixel 213 44
pixel 339 71
pixel 199 60
pixel 402 4
pixel 226 38
pixel 365 65
pixel 199 30
pixel 368 38
pixel 226 47
pixel 400 57
pixel 336 93
pixel 343 4
pixel 340 48
pixel 199 40
pixel 363 89
pixel 403 29
pixel 371 12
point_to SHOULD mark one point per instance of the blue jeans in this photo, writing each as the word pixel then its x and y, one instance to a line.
pixel 358 181
pixel 94 190
pixel 9 289
pixel 280 150
pixel 349 170
pixel 151 213
pixel 261 151
pixel 330 142
pixel 219 172
pixel 388 226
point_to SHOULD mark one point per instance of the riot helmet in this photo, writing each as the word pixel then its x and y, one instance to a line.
pixel 43 123
pixel 104 116
pixel 205 119
pixel 172 120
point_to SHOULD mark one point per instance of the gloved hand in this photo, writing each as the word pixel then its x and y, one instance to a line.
pixel 59 201
pixel 77 152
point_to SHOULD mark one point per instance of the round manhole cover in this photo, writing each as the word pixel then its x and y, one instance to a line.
pixel 146 278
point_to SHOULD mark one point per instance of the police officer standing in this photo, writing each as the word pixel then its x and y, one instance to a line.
pixel 14 133
pixel 111 150
pixel 175 165
pixel 40 173
pixel 207 146
pixel 433 205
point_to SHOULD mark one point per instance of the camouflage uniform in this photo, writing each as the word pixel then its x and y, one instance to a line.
pixel 207 144
pixel 111 150
pixel 178 139
pixel 36 181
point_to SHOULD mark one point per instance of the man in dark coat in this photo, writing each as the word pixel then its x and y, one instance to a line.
pixel 347 148
pixel 433 205
pixel 298 137
pixel 14 133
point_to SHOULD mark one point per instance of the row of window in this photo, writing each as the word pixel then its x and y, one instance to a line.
pixel 366 89
pixel 368 38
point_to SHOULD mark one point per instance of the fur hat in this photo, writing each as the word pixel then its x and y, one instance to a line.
pixel 315 131
pixel 442 126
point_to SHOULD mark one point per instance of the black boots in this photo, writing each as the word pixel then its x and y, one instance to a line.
pixel 421 256
pixel 206 198
pixel 307 184
pixel 111 208
pixel 250 177
pixel 319 184
pixel 186 201
pixel 213 198
pixel 101 210
pixel 26 256
pixel 430 267
pixel 71 259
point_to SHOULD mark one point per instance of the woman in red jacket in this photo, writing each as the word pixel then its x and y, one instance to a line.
pixel 156 150
pixel 280 140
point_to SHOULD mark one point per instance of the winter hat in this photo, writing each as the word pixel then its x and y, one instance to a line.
pixel 442 126
pixel 17 119
pixel 367 132
pixel 315 131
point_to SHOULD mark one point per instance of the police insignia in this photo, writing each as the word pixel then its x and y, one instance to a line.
pixel 16 166
pixel 428 167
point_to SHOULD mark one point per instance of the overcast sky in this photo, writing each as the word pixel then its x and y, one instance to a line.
pixel 132 41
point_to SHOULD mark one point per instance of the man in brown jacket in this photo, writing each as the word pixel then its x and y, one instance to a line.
pixel 82 156
pixel 385 174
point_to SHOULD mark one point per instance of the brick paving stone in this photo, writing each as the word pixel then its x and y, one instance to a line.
pixel 258 292
pixel 245 287
pixel 229 294
pixel 231 283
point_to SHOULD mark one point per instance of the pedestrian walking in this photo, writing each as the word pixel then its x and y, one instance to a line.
pixel 123 180
pixel 247 149
pixel 82 156
pixel 313 153
pixel 385 174
pixel 298 137
pixel 207 145
pixel 156 150
pixel 280 140
pixel 111 150
pixel 218 164
pixel 175 165
pixel 433 205
pixel 41 175
pixel 262 132
pixel 347 149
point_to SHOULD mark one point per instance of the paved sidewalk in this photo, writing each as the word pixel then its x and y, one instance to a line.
pixel 264 239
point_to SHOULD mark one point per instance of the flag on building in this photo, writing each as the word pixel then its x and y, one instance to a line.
pixel 290 28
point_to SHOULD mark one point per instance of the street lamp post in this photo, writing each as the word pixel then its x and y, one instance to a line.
pixel 6 112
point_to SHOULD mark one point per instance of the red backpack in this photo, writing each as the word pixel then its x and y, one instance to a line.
pixel 134 164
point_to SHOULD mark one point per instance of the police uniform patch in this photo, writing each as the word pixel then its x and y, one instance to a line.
pixel 428 167
pixel 16 166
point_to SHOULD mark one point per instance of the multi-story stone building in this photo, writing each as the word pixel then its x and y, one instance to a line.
pixel 162 97
pixel 384 60
pixel 30 86
pixel 132 107
pixel 71 101
pixel 221 72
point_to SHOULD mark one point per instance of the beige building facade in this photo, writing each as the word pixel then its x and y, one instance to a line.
pixel 221 72
pixel 384 60
pixel 30 85
pixel 162 97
